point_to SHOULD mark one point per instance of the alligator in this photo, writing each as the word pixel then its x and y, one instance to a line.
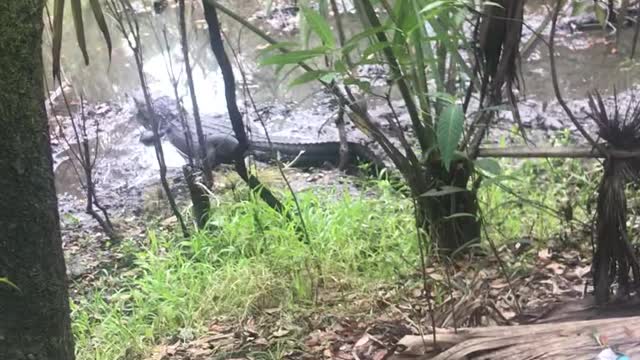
pixel 221 142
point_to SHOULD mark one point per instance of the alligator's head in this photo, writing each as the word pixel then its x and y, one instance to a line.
pixel 164 111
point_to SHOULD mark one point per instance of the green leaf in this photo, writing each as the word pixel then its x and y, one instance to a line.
pixel 601 15
pixel 449 132
pixel 285 45
pixel 319 26
pixel 308 76
pixel 362 84
pixel 376 48
pixel 4 280
pixel 328 77
pixel 433 7
pixel 579 7
pixel 76 11
pixel 58 14
pixel 293 57
pixel 102 24
pixel 405 20
pixel 353 42
pixel 443 190
pixel 340 66
pixel 488 165
pixel 498 180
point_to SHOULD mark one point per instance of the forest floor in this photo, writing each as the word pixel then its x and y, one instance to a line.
pixel 246 287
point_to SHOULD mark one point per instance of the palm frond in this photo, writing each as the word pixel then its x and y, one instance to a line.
pixel 58 22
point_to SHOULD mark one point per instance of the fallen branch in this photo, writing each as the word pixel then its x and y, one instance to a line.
pixel 575 340
pixel 555 152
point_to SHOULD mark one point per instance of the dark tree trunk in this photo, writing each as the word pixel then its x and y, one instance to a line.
pixel 217 46
pixel 34 319
pixel 451 219
pixel 199 197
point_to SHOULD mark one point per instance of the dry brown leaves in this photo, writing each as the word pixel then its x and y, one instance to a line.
pixel 371 326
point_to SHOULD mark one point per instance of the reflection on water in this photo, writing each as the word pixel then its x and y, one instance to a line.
pixel 583 60
pixel 103 80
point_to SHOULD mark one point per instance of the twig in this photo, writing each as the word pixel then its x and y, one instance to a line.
pixel 572 152
pixel 501 264
pixel 128 24
pixel 340 123
pixel 635 36
pixel 192 91
pixel 422 250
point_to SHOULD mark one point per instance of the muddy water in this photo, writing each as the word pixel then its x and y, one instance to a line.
pixel 105 80
pixel 584 61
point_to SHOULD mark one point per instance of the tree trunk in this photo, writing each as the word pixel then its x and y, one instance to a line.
pixel 450 219
pixel 34 315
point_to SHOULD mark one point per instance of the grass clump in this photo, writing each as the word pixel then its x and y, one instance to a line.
pixel 251 259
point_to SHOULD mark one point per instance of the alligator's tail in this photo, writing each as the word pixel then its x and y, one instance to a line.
pixel 315 154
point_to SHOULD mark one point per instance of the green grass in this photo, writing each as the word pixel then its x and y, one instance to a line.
pixel 252 259
pixel 530 201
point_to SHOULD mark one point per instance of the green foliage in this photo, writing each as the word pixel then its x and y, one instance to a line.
pixel 320 27
pixel 293 57
pixel 313 75
pixel 449 131
pixel 77 13
pixel 526 201
pixel 6 281
pixel 423 33
pixel 490 166
pixel 253 260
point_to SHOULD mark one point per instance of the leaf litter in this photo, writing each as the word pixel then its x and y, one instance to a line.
pixel 374 324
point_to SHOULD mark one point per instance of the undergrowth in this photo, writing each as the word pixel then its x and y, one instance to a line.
pixel 250 259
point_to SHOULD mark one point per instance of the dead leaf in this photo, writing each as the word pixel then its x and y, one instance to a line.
pixel 544 254
pixel 556 268
pixel 362 341
pixel 498 284
pixel 281 333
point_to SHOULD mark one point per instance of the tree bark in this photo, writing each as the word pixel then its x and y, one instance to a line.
pixel 34 315
pixel 451 220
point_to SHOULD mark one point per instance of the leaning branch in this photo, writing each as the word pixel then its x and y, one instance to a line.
pixel 217 46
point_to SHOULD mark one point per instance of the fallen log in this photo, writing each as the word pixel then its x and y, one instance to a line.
pixel 554 152
pixel 570 340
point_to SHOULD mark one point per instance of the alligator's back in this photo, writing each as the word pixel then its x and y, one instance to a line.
pixel 316 153
pixel 305 152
